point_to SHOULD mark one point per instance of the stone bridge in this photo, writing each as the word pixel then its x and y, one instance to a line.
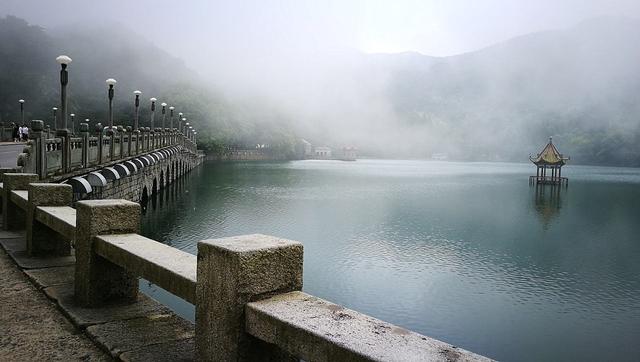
pixel 120 163
pixel 81 246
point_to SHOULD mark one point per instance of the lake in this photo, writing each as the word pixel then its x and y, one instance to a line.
pixel 467 253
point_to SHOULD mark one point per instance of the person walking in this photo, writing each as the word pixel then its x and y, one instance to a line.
pixel 25 133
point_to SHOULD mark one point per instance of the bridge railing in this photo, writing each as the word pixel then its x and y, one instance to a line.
pixel 48 157
pixel 246 289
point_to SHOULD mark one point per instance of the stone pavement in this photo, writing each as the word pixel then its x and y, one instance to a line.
pixel 32 328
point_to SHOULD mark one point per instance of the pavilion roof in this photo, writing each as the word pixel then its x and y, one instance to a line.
pixel 549 155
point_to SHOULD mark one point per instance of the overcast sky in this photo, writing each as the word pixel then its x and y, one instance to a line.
pixel 301 56
pixel 241 28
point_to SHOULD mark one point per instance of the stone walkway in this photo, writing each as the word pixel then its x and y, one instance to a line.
pixel 39 319
pixel 32 328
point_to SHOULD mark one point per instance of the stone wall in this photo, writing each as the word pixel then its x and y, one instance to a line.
pixel 245 155
pixel 148 180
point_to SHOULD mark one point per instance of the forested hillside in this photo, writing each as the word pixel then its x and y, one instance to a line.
pixel 580 85
pixel 28 70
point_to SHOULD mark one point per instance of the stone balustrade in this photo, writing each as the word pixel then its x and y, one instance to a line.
pixel 246 290
pixel 52 157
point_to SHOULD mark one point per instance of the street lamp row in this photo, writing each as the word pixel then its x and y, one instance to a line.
pixel 61 128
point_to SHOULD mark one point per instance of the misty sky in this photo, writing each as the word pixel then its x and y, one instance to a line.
pixel 202 30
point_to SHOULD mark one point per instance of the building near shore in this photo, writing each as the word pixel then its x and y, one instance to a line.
pixel 349 153
pixel 322 152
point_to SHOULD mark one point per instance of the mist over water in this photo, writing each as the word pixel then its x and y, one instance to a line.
pixel 480 82
pixel 464 252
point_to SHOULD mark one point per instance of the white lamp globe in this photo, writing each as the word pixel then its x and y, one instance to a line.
pixel 184 119
pixel 63 59
pixel 172 108
pixel 163 104
pixel 72 114
pixel 111 81
pixel 21 101
pixel 137 92
pixel 152 99
pixel 55 108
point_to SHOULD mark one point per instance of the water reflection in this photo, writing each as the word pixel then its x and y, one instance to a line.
pixel 467 253
pixel 548 202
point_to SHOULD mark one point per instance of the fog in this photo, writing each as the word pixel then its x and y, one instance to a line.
pixel 482 80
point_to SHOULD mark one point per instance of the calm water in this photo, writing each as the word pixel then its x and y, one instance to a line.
pixel 464 252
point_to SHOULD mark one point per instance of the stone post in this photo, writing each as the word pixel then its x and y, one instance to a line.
pixel 84 134
pixel 121 137
pixel 4 170
pixel 130 138
pixel 97 280
pixel 100 135
pixel 232 272
pixel 38 136
pixel 41 240
pixel 13 217
pixel 145 139
pixel 137 134
pixel 65 135
pixel 112 140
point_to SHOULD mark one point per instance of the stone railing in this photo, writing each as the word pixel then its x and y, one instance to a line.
pixel 51 157
pixel 246 290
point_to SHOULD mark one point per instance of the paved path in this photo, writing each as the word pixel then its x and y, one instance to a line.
pixel 9 153
pixel 31 328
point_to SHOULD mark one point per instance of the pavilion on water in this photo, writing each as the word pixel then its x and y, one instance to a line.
pixel 549 164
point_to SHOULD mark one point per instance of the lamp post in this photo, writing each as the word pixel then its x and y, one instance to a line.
pixel 63 60
pixel 153 110
pixel 183 126
pixel 55 116
pixel 137 104
pixel 21 101
pixel 180 122
pixel 171 117
pixel 111 82
pixel 73 123
pixel 164 106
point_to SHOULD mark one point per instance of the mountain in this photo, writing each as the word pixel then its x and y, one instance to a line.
pixel 29 71
pixel 580 85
